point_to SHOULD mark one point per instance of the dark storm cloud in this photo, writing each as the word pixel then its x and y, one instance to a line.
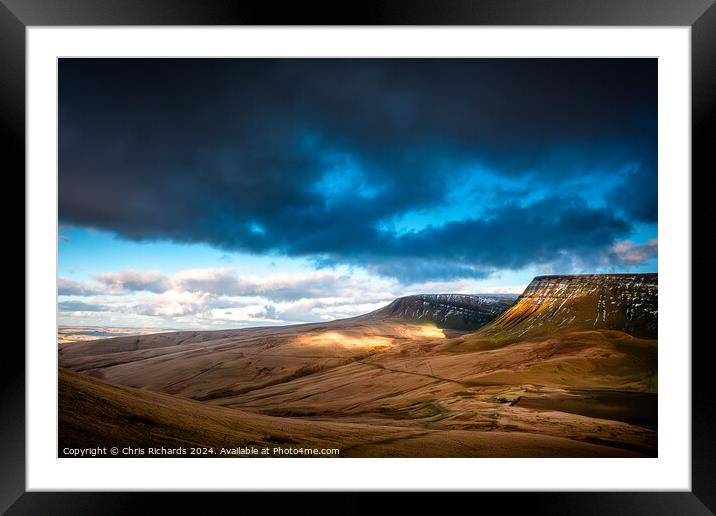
pixel 312 157
pixel 511 237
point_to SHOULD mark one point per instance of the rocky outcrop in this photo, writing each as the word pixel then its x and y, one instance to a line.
pixel 449 311
pixel 624 302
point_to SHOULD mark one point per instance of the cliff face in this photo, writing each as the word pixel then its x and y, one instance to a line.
pixel 624 302
pixel 450 311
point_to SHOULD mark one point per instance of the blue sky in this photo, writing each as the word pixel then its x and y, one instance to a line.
pixel 229 193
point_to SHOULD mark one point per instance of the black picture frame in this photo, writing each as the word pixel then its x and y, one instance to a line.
pixel 700 15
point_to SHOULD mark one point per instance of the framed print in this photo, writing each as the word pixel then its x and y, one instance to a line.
pixel 437 250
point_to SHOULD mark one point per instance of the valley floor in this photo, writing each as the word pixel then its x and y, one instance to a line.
pixel 97 414
pixel 367 388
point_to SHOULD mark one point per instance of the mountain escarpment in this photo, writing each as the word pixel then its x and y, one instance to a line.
pixel 448 311
pixel 623 302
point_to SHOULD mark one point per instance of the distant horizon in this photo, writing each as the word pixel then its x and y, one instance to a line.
pixel 207 193
pixel 287 324
pixel 179 328
pixel 501 294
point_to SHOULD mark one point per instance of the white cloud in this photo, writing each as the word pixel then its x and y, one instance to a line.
pixel 630 253
pixel 73 306
pixel 462 286
pixel 68 287
pixel 223 297
pixel 132 281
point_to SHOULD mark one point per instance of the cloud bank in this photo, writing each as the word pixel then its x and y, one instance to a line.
pixel 415 170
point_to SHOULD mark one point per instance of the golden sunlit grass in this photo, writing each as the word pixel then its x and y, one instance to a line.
pixel 423 332
pixel 334 338
pixel 349 340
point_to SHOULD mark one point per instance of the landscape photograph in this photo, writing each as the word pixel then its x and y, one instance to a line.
pixel 357 258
